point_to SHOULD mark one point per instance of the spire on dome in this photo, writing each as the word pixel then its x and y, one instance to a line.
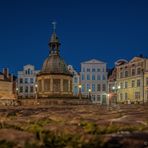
pixel 54 41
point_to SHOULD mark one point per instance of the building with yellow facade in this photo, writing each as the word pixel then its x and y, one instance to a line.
pixel 132 77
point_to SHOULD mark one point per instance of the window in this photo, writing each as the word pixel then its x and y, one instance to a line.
pixel 103 87
pixel 126 73
pixel 29 71
pixel 98 70
pixel 26 89
pixel 126 96
pixel 26 80
pixel 75 80
pixel 88 69
pixel 82 77
pixel 98 87
pixel 138 83
pixel 88 77
pixel 133 72
pixel 126 85
pixel 138 71
pixel 65 85
pixel 137 96
pixel 146 81
pixel 93 87
pixel 121 74
pixel 93 77
pixel 83 88
pixel 88 87
pixel 133 83
pixel 21 80
pixel 98 77
pixel 21 89
pixel 75 90
pixel 83 69
pixel 31 80
pixel 121 97
pixel 93 70
pixel 31 89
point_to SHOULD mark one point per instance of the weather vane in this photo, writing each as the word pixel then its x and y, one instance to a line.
pixel 54 26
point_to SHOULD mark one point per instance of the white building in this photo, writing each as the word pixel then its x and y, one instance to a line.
pixel 26 82
pixel 94 79
pixel 75 80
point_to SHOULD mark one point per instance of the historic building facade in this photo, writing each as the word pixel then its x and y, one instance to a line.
pixel 54 79
pixel 132 78
pixel 26 83
pixel 93 78
pixel 6 85
pixel 113 87
pixel 75 80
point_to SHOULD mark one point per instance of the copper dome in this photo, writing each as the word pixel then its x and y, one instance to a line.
pixel 54 64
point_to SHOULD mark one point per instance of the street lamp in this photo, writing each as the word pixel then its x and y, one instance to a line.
pixel 17 92
pixel 80 87
pixel 89 93
pixel 108 95
pixel 36 88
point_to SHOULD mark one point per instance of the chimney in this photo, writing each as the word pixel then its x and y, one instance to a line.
pixel 6 72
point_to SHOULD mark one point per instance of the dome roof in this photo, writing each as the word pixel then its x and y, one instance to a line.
pixel 54 64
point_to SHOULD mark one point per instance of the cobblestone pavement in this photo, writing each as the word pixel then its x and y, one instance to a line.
pixel 74 126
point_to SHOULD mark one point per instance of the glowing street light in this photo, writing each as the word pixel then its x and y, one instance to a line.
pixel 89 93
pixel 36 87
pixel 80 87
pixel 17 92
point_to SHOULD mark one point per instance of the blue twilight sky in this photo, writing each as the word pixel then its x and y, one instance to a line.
pixel 102 29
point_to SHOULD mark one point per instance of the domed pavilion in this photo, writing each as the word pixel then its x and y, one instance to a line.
pixel 54 80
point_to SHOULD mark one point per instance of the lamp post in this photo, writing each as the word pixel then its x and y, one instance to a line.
pixel 108 96
pixel 89 93
pixel 36 88
pixel 80 87
pixel 17 93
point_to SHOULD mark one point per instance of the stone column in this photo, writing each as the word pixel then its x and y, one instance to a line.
pixel 68 85
pixel 42 85
pixel 51 84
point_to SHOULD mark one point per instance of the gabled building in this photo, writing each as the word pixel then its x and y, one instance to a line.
pixel 26 82
pixel 132 78
pixel 93 78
